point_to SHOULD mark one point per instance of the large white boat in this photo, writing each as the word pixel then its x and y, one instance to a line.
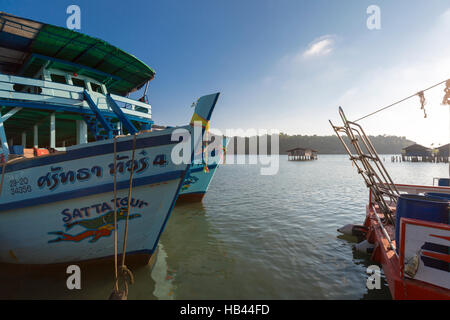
pixel 70 137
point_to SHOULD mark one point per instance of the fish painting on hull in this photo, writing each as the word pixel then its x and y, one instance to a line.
pixel 188 181
pixel 97 228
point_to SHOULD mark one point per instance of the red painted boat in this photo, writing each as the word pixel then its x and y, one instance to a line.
pixel 428 282
pixel 407 225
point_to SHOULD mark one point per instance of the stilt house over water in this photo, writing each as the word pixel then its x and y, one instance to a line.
pixel 301 154
pixel 417 153
pixel 443 153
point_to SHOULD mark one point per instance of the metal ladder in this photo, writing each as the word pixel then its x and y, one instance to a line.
pixel 383 190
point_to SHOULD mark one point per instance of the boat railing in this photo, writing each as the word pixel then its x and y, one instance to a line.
pixel 383 229
pixel 20 89
pixel 418 189
pixel 135 105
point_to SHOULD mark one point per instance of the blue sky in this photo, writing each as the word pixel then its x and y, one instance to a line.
pixel 285 65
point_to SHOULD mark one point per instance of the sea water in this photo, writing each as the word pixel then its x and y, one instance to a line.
pixel 252 237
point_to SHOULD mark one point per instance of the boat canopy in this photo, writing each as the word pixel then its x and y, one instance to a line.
pixel 26 46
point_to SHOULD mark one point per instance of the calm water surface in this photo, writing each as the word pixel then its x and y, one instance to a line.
pixel 253 237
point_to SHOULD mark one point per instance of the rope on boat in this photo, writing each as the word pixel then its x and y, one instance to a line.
pixel 125 272
pixel 124 268
pixel 116 283
pixel 420 94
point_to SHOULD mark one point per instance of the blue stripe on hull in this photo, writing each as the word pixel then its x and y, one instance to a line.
pixel 194 192
pixel 91 190
pixel 91 151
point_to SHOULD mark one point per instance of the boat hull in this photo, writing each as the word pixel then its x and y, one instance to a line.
pixel 60 208
pixel 191 197
pixel 197 179
pixel 196 183
pixel 423 285
pixel 401 288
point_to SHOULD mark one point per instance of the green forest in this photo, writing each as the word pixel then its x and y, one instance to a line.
pixel 323 144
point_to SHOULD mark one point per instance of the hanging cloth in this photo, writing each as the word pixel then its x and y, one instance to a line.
pixel 422 103
pixel 446 100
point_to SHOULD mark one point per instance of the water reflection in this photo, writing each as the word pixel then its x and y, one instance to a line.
pixel 374 294
pixel 253 237
pixel 198 264
pixel 189 252
pixel 97 279
pixel 363 260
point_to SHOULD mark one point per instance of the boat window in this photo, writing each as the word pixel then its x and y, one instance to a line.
pixel 96 88
pixel 27 89
pixel 78 82
pixel 58 78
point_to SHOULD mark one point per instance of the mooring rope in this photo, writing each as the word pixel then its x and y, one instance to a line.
pixel 409 97
pixel 129 202
pixel 116 277
pixel 125 273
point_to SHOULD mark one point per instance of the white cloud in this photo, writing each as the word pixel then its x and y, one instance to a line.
pixel 320 47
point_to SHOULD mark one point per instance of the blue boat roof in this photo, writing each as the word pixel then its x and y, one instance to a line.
pixel 27 45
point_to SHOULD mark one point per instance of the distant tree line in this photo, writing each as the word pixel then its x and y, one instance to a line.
pixel 323 144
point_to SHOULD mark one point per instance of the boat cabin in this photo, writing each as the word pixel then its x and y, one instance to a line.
pixel 60 88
